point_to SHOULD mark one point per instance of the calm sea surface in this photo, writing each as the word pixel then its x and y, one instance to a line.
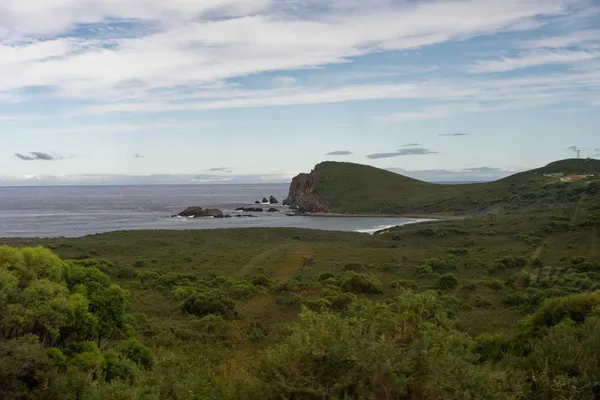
pixel 83 210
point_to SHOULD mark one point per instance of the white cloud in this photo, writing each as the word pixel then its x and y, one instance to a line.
pixel 532 59
pixel 188 59
pixel 188 50
pixel 586 38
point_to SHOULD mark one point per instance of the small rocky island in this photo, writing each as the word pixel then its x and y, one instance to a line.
pixel 199 212
pixel 271 200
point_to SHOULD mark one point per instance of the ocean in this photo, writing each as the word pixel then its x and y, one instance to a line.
pixel 82 210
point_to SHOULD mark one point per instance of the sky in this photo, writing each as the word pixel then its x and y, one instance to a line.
pixel 181 91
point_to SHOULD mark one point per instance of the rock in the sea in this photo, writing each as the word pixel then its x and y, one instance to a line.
pixel 199 212
pixel 246 215
pixel 273 200
pixel 272 209
pixel 226 216
pixel 265 200
pixel 257 202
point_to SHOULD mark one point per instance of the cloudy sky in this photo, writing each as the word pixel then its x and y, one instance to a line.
pixel 227 90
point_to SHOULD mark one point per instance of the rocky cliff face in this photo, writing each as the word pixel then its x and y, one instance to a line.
pixel 303 194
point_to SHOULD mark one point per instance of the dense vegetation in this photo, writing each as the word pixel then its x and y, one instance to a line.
pixel 502 306
pixel 360 189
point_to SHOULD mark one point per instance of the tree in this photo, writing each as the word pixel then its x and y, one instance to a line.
pixel 446 282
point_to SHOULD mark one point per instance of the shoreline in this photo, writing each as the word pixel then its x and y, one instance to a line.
pixel 410 216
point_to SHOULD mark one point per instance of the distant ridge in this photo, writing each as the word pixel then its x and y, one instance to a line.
pixel 348 188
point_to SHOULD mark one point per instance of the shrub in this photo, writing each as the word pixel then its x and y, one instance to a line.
pixel 341 301
pixel 212 327
pixel 423 269
pixel 325 275
pixel 461 251
pixel 261 280
pixel 384 266
pixel 353 267
pixel 403 283
pixel 448 263
pixel 358 356
pixel 209 302
pixel 513 262
pixel 243 290
pixel 495 284
pixel 359 283
pixel 575 307
pixel 491 347
pixel 138 353
pixel 446 282
pixel 118 368
pixel 318 305
pixel 23 367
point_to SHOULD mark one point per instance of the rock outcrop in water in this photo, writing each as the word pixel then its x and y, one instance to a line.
pixel 249 209
pixel 272 209
pixel 273 200
pixel 303 194
pixel 199 212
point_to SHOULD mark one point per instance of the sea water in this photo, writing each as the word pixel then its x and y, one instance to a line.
pixel 82 210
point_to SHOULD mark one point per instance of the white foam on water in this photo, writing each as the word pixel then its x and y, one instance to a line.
pixel 375 229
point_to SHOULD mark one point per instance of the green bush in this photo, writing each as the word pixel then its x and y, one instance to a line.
pixel 575 307
pixel 449 263
pixel 341 301
pixel 423 270
pixel 118 368
pixel 403 283
pixel 24 367
pixel 325 275
pixel 457 251
pixel 359 283
pixel 446 282
pixel 358 356
pixel 261 280
pixel 495 284
pixel 210 302
pixel 512 262
pixel 318 305
pixel 243 290
pixel 213 327
pixel 353 267
pixel 138 353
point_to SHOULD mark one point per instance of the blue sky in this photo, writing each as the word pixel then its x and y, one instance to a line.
pixel 98 91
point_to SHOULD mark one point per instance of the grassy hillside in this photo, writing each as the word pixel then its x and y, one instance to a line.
pixel 360 189
pixel 218 314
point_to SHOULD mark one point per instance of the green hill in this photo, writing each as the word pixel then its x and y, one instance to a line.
pixel 339 187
